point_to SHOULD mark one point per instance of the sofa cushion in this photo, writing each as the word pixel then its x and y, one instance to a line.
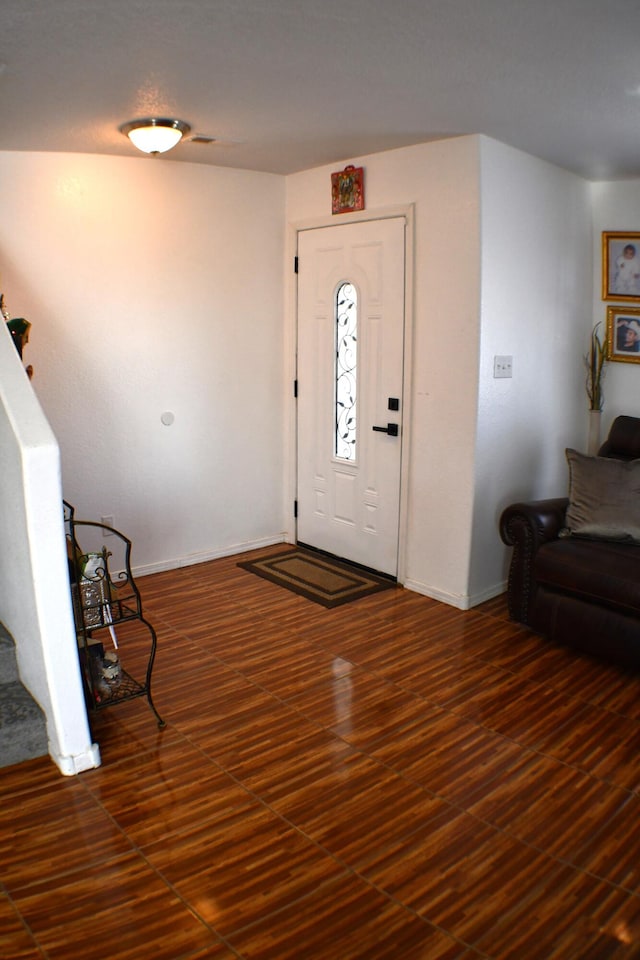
pixel 605 572
pixel 604 497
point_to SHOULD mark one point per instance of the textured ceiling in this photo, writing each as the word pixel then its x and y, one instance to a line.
pixel 289 84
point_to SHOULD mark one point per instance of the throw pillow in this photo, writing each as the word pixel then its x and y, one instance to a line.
pixel 604 497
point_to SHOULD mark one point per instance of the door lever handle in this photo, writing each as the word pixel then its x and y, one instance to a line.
pixel 391 429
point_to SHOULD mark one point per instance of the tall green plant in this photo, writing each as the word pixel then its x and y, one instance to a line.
pixel 594 361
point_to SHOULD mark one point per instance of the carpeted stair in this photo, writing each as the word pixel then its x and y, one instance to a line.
pixel 23 730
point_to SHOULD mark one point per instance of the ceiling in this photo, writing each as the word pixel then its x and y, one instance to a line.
pixel 285 85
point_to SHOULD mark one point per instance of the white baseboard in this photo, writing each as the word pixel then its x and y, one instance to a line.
pixel 495 591
pixel 72 765
pixel 465 602
pixel 177 562
pixel 453 600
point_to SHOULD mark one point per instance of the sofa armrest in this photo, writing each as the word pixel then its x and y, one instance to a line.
pixel 525 527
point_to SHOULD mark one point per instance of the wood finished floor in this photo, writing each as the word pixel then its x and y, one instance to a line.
pixel 389 780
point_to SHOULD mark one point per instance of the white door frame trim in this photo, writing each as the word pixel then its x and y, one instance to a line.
pixel 290 362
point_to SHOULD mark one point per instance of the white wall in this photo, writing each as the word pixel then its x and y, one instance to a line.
pixel 35 605
pixel 616 207
pixel 502 265
pixel 536 297
pixel 442 180
pixel 151 287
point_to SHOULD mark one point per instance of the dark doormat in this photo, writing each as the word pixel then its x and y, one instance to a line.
pixel 318 577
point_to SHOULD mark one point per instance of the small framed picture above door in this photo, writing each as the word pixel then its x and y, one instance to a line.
pixel 347 190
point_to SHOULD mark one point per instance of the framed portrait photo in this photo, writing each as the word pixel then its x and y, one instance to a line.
pixel 621 266
pixel 623 334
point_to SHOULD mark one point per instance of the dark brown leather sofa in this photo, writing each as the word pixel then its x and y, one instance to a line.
pixel 577 591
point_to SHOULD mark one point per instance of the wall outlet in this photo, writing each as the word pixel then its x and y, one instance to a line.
pixel 108 522
pixel 502 367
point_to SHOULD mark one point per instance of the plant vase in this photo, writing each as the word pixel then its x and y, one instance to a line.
pixel 593 439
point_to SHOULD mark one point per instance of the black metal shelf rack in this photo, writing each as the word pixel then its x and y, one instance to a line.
pixel 105 595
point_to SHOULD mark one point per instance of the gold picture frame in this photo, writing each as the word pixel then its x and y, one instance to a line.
pixel 623 334
pixel 621 266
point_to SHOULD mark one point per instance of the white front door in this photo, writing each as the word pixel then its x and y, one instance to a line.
pixel 350 379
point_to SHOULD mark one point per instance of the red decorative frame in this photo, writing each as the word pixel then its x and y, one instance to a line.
pixel 347 190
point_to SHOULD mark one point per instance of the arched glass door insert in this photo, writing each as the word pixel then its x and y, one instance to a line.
pixel 346 371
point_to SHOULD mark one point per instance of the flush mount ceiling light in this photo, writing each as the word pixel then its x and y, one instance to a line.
pixel 155 134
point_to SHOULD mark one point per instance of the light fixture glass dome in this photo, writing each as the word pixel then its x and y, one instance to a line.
pixel 155 134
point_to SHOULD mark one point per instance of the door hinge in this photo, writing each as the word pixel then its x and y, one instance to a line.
pixel 295 389
pixel 295 509
pixel 295 264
